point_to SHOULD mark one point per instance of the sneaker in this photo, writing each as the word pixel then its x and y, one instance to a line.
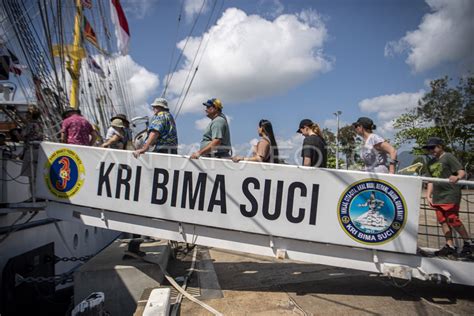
pixel 446 251
pixel 467 250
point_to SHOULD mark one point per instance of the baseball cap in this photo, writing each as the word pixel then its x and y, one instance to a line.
pixel 214 102
pixel 432 142
pixel 365 122
pixel 303 123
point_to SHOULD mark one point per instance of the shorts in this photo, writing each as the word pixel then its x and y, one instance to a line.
pixel 447 213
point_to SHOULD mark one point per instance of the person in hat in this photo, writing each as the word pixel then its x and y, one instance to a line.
pixel 445 198
pixel 115 135
pixel 76 129
pixel 216 138
pixel 127 131
pixel 378 155
pixel 314 152
pixel 162 132
pixel 266 149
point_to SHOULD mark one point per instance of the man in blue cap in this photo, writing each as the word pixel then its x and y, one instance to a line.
pixel 216 138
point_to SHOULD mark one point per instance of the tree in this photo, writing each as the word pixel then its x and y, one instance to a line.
pixel 330 139
pixel 347 137
pixel 444 112
pixel 412 127
pixel 443 106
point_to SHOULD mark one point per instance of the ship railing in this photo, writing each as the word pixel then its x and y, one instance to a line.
pixel 430 234
pixel 24 183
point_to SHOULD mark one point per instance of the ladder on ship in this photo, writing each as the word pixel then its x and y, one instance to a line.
pixel 300 213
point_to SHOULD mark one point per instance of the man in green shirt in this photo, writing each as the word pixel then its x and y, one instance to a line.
pixel 445 198
pixel 216 138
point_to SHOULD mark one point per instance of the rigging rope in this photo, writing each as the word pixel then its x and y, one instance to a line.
pixel 184 47
pixel 168 78
pixel 179 106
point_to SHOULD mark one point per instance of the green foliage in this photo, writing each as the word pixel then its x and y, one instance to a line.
pixel 347 137
pixel 330 139
pixel 331 163
pixel 446 112
pixel 411 127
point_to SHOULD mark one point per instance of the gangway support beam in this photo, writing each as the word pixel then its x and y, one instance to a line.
pixel 399 265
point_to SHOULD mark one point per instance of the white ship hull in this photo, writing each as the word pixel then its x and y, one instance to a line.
pixel 25 226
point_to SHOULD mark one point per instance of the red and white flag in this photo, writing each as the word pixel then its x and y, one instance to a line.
pixel 15 66
pixel 87 4
pixel 121 26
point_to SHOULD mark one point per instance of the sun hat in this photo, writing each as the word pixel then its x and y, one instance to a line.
pixel 123 117
pixel 160 102
pixel 117 123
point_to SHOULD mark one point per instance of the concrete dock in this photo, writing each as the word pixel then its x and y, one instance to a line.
pixel 236 283
pixel 257 285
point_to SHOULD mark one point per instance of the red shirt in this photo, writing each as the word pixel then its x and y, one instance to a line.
pixel 77 130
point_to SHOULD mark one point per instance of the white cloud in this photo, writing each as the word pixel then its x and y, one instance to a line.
pixel 249 57
pixel 142 83
pixel 389 107
pixel 201 124
pixel 193 7
pixel 332 123
pixel 445 35
pixel 290 148
pixel 138 8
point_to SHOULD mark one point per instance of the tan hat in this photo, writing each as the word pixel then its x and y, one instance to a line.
pixel 160 102
pixel 117 123
pixel 123 117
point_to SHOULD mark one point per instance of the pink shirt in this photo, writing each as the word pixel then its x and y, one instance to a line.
pixel 77 130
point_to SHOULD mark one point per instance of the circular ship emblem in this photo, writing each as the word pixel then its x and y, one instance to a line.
pixel 63 173
pixel 372 212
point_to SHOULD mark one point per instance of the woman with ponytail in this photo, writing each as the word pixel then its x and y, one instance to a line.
pixel 378 155
pixel 314 152
pixel 266 149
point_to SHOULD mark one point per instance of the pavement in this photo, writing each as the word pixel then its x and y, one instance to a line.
pixel 236 283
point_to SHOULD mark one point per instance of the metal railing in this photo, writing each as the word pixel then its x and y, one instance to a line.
pixel 430 234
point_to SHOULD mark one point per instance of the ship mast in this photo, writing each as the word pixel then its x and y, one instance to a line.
pixel 75 70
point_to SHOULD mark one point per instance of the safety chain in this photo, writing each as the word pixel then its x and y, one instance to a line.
pixel 57 279
pixel 73 259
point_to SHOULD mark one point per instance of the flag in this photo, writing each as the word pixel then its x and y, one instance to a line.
pixel 9 63
pixel 87 4
pixel 15 66
pixel 94 66
pixel 121 26
pixel 4 63
pixel 89 34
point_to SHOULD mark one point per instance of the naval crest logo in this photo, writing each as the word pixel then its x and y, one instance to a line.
pixel 64 173
pixel 372 211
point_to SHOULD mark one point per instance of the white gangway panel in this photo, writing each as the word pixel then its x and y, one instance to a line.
pixel 342 218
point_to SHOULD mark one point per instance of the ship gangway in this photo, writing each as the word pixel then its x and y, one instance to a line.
pixel 342 218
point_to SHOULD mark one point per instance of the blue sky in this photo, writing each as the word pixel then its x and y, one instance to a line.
pixel 289 60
